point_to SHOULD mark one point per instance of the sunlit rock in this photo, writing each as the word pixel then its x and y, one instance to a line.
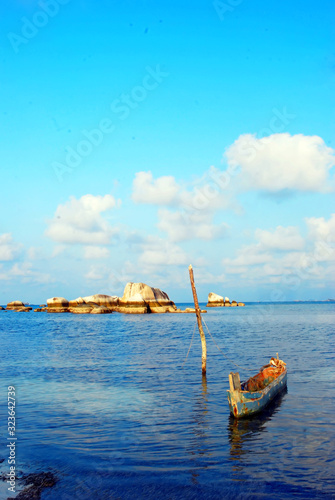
pixel 215 300
pixel 103 300
pixel 134 304
pixel 57 305
pixel 82 308
pixel 14 305
pixel 76 302
pixel 101 310
pixel 141 298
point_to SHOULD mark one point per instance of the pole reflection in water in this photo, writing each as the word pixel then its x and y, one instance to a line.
pixel 200 442
pixel 245 430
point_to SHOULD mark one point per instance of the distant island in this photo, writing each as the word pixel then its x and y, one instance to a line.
pixel 215 300
pixel 138 298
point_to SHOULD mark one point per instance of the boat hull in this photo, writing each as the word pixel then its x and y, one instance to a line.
pixel 246 404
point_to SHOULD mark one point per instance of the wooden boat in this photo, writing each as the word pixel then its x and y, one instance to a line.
pixel 251 396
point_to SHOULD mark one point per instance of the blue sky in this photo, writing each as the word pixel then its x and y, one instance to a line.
pixel 139 137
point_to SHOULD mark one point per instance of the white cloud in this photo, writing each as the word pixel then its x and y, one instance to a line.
pixel 249 255
pixel 282 256
pixel 96 253
pixel 185 226
pixel 321 229
pixel 194 207
pixel 58 250
pixel 162 191
pixel 35 253
pixel 95 273
pixel 283 238
pixel 80 221
pixel 159 252
pixel 209 193
pixel 204 277
pixel 8 248
pixel 322 234
pixel 282 162
pixel 25 273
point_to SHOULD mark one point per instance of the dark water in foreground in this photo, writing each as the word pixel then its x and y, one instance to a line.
pixel 104 403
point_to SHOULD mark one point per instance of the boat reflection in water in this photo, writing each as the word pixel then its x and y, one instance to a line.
pixel 245 430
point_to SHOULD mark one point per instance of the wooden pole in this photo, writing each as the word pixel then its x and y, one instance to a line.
pixel 197 312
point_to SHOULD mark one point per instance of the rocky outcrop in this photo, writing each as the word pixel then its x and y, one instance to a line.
pixel 141 298
pixel 101 310
pixel 14 305
pixel 192 310
pixel 133 305
pixel 81 308
pixel 89 308
pixel 83 305
pixel 103 300
pixel 215 300
pixel 17 306
pixel 57 305
pixel 2 308
pixel 138 298
pixel 76 302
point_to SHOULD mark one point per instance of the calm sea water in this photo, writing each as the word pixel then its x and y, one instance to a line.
pixel 104 402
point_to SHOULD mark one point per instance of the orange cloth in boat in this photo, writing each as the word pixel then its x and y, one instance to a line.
pixel 263 378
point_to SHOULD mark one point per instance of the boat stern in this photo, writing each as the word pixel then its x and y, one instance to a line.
pixel 245 404
pixel 237 408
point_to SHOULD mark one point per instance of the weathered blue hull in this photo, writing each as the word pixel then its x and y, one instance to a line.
pixel 245 404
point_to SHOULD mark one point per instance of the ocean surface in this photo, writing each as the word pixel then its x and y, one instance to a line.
pixel 106 404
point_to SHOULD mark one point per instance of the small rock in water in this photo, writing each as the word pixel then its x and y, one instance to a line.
pixel 35 483
pixel 14 305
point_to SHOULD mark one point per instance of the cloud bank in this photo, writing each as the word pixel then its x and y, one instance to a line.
pixel 80 221
pixel 282 162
